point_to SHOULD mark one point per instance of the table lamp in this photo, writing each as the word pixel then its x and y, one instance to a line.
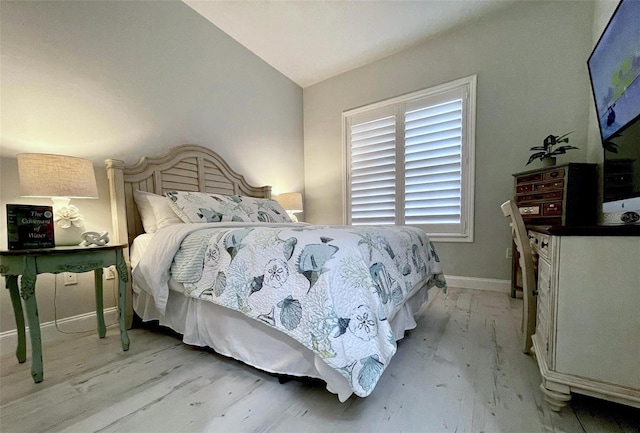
pixel 292 203
pixel 61 178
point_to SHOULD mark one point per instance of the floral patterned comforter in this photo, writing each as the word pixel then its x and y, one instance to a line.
pixel 333 289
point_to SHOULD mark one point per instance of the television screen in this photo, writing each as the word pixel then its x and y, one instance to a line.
pixel 614 67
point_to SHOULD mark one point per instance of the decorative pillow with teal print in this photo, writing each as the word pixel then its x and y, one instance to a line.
pixel 264 210
pixel 199 207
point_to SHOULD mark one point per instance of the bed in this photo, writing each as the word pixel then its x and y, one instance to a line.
pixel 218 261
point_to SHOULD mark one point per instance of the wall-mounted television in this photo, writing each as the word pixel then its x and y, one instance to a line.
pixel 614 70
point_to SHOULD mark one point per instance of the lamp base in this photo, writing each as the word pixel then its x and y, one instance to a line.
pixel 72 234
pixel 68 236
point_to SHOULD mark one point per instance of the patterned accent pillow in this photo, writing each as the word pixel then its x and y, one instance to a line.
pixel 263 210
pixel 199 207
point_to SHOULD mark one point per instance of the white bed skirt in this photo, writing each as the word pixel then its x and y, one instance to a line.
pixel 232 334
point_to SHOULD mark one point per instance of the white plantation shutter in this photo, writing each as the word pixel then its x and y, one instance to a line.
pixel 410 161
pixel 433 162
pixel 373 170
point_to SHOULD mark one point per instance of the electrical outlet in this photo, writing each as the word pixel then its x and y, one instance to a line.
pixel 69 278
pixel 508 255
pixel 110 273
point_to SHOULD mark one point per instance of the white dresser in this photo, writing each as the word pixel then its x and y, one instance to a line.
pixel 587 337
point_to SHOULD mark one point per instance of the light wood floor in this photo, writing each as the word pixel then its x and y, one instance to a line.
pixel 459 371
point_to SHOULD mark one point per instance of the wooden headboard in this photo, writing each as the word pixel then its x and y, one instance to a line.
pixel 183 168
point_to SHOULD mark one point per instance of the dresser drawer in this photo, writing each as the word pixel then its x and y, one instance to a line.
pixel 529 210
pixel 524 188
pixel 554 184
pixel 534 177
pixel 541 243
pixel 551 195
pixel 554 174
pixel 552 209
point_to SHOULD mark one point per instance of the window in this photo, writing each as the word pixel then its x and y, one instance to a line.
pixel 410 160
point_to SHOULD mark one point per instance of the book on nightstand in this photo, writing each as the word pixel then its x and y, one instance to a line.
pixel 29 227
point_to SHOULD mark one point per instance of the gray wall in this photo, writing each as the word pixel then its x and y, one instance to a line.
pixel 103 79
pixel 532 81
pixel 125 79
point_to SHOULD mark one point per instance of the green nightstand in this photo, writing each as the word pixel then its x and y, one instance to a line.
pixel 30 263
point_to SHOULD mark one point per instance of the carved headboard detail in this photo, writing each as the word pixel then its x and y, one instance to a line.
pixel 183 168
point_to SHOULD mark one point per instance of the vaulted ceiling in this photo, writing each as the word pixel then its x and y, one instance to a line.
pixel 310 41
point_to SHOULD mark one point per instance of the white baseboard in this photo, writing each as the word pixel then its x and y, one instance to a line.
pixel 490 284
pixel 76 324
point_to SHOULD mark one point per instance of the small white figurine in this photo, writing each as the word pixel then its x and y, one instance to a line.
pixel 94 238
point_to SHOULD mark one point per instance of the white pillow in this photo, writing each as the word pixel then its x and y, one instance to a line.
pixel 145 210
pixel 165 216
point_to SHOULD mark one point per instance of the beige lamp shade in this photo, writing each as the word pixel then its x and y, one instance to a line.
pixel 291 201
pixel 45 175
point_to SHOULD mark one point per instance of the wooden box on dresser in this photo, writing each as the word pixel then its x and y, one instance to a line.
pixel 587 337
pixel 559 195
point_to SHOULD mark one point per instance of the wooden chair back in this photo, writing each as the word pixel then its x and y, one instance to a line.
pixel 525 260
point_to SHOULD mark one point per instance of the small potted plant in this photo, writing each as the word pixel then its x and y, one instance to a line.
pixel 547 153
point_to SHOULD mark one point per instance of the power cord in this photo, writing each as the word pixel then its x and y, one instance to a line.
pixel 55 307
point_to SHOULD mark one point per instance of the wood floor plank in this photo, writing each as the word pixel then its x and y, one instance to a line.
pixel 460 370
pixel 499 395
pixel 255 409
pixel 95 389
pixel 69 357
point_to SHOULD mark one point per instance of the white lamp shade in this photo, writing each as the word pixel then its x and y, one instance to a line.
pixel 45 175
pixel 291 201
